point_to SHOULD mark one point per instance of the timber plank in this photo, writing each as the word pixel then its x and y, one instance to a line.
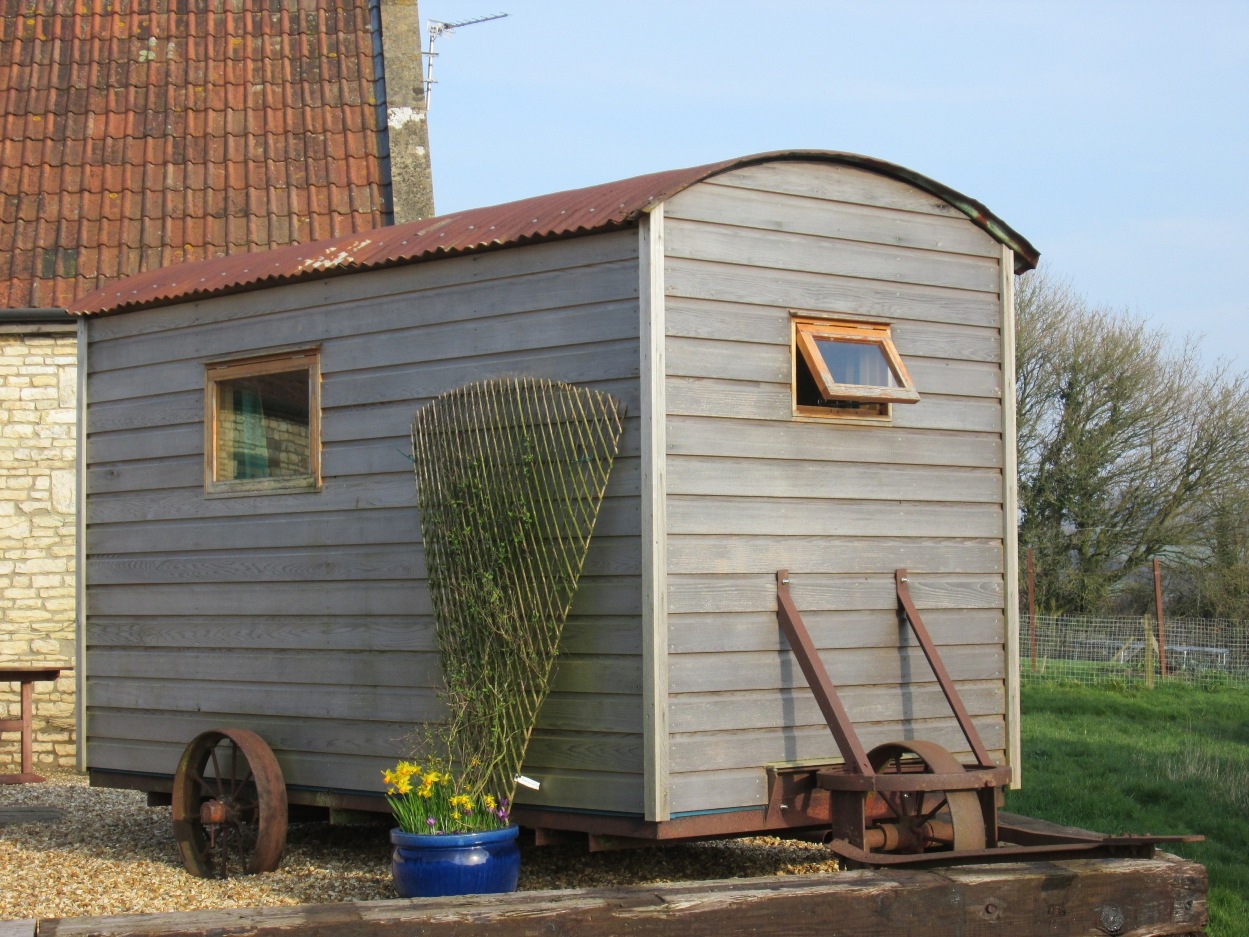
pixel 835 593
pixel 801 214
pixel 231 698
pixel 775 709
pixel 526 294
pixel 170 523
pixel 738 788
pixel 397 282
pixel 794 478
pixel 496 335
pixel 772 250
pixel 582 634
pixel 835 183
pixel 199 668
pixel 826 442
pixel 717 751
pixel 723 672
pixel 826 292
pixel 762 516
pixel 812 553
pixel 1065 898
pixel 830 630
pixel 754 400
pixel 724 360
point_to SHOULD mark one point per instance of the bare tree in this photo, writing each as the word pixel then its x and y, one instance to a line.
pixel 1126 442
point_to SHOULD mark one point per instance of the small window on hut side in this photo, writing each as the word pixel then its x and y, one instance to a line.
pixel 262 432
pixel 847 370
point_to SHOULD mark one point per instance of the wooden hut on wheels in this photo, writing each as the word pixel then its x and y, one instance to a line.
pixel 815 351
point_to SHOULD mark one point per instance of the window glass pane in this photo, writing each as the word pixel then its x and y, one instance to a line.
pixel 262 427
pixel 856 362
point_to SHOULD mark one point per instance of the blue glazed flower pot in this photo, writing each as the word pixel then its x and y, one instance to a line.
pixel 428 865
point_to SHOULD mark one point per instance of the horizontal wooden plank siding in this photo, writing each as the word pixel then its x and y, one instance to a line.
pixel 306 617
pixel 751 489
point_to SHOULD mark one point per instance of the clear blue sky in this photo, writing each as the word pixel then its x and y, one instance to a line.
pixel 1113 135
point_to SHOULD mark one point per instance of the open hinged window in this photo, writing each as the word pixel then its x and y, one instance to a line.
pixel 847 370
pixel 262 425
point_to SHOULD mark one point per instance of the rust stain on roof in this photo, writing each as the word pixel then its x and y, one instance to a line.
pixel 544 218
pixel 142 133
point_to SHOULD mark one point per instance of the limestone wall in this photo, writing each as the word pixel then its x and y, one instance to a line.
pixel 38 389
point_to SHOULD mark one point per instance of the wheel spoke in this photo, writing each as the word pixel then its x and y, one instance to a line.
pixel 941 802
pixel 217 773
pixel 242 784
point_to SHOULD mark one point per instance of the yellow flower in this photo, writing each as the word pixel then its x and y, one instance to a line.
pixel 404 785
pixel 490 802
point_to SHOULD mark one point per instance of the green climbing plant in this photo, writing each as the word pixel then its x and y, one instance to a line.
pixel 510 476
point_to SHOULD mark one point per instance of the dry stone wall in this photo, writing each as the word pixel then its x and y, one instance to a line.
pixel 38 391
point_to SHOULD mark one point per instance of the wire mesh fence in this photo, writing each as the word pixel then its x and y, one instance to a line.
pixel 1127 651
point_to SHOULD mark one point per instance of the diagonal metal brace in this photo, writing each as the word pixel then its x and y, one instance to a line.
pixel 907 610
pixel 818 679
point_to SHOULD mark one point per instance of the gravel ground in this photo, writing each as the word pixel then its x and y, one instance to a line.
pixel 112 854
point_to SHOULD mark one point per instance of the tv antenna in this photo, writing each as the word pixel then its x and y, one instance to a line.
pixel 437 29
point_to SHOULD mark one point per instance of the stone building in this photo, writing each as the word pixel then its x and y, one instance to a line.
pixel 138 134
pixel 38 398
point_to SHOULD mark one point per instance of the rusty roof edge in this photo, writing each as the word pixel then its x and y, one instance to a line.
pixel 382 247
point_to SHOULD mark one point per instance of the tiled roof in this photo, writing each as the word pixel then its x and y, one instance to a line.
pixel 543 218
pixel 141 133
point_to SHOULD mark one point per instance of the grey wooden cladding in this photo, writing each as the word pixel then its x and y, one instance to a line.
pixel 312 610
pixel 762 709
pixel 570 749
pixel 745 400
pixel 763 210
pixel 150 698
pixel 601 634
pixel 354 562
pixel 566 787
pixel 834 592
pixel 833 183
pixel 818 440
pixel 721 671
pixel 402 381
pixel 501 284
pixel 795 478
pixel 809 254
pixel 743 748
pixel 813 553
pixel 840 504
pixel 769 363
pixel 724 632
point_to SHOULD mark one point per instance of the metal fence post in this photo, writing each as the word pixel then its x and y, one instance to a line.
pixel 1032 609
pixel 1162 641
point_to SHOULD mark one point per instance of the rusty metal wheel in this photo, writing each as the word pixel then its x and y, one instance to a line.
pixel 229 805
pixel 925 819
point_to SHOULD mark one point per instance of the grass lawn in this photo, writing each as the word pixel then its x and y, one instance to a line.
pixel 1171 760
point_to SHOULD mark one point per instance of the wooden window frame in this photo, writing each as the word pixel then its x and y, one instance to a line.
pixel 304 359
pixel 807 329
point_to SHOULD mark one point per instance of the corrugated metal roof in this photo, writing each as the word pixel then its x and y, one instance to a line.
pixel 544 218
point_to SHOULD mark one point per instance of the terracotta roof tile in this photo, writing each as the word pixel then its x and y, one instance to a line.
pixel 151 132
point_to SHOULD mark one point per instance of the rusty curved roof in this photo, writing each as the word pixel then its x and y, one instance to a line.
pixel 572 213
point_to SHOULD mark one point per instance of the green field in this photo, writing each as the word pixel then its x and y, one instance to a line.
pixel 1171 760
